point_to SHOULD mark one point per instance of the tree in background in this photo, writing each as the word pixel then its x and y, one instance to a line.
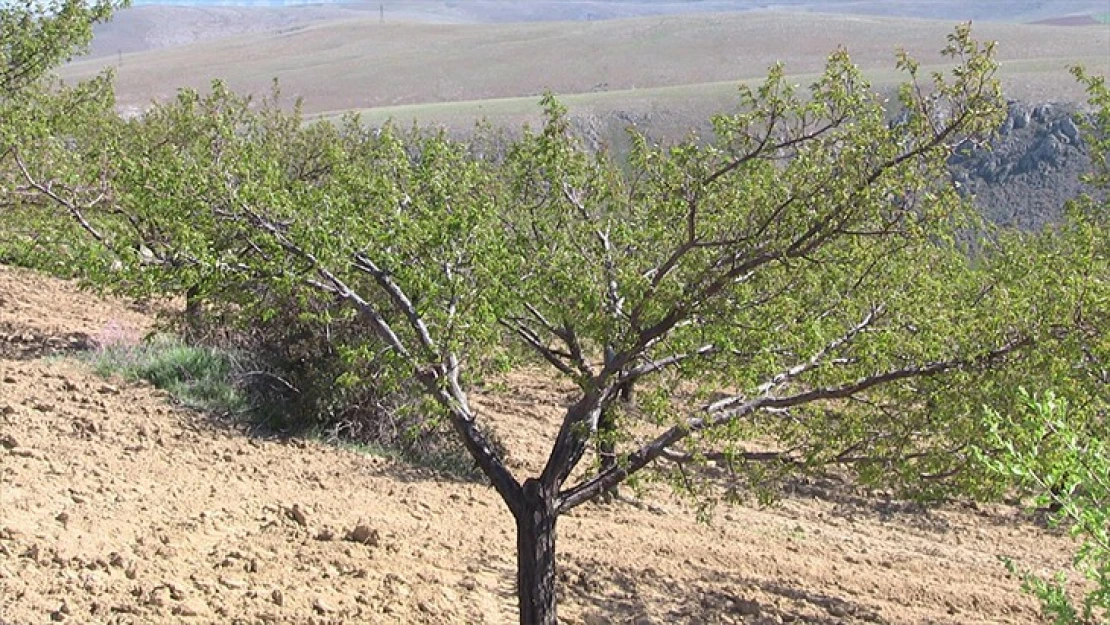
pixel 38 119
pixel 36 36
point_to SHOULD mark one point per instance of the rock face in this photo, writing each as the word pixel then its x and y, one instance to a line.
pixel 1030 170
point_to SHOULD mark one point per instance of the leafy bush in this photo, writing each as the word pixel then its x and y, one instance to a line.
pixel 315 384
pixel 1068 469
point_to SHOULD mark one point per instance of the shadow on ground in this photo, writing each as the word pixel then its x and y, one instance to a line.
pixel 619 594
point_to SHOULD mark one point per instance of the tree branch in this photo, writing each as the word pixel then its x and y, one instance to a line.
pixel 725 411
pixel 69 205
pixel 364 263
pixel 818 359
pixel 531 340
pixel 663 363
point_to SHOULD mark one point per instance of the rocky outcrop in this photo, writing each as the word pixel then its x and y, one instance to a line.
pixel 1030 170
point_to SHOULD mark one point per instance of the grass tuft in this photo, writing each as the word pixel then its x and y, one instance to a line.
pixel 203 378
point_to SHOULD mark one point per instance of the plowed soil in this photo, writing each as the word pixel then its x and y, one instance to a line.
pixel 116 506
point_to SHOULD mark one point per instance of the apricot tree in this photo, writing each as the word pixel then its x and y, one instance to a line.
pixel 806 255
pixel 37 113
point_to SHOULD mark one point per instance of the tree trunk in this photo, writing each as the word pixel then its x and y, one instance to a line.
pixel 535 553
pixel 194 308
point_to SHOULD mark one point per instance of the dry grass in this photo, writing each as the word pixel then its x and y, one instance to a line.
pixel 673 111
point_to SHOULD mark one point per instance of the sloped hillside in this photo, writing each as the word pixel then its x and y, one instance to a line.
pixel 118 507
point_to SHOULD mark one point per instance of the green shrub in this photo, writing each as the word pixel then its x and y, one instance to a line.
pixel 316 385
pixel 1067 468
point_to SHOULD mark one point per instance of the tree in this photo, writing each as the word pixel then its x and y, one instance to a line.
pixel 36 36
pixel 37 114
pixel 781 260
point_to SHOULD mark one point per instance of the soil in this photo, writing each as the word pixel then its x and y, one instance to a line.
pixel 116 506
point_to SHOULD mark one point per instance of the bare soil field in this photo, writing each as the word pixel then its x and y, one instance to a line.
pixel 116 506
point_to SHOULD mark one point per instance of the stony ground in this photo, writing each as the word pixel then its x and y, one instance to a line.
pixel 118 507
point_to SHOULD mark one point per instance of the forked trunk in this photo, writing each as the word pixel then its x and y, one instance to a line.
pixel 535 553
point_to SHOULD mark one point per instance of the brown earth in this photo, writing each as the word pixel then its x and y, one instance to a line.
pixel 118 507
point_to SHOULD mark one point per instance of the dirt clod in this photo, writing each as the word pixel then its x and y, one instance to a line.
pixel 747 608
pixel 364 534
pixel 186 610
pixel 298 515
pixel 233 583
pixel 321 606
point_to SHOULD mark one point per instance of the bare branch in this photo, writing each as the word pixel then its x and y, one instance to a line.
pixel 569 338
pixel 74 210
pixel 364 263
pixel 271 376
pixel 529 337
pixel 764 146
pixel 663 363
pixel 783 457
pixel 550 327
pixel 816 360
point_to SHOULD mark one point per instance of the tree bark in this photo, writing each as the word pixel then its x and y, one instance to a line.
pixel 535 553
pixel 194 308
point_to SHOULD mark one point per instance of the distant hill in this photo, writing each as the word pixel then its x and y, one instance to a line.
pixel 339 65
pixel 480 11
pixel 145 28
pixel 153 24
